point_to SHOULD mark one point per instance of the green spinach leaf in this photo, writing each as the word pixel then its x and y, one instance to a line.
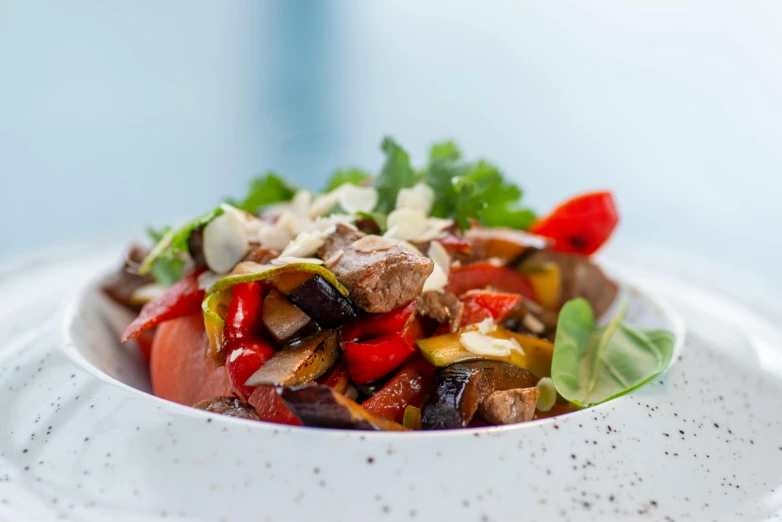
pixel 593 364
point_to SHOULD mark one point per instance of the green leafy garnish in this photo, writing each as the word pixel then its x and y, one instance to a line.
pixel 477 190
pixel 380 220
pixel 395 175
pixel 168 251
pixel 265 190
pixel 343 176
pixel 593 364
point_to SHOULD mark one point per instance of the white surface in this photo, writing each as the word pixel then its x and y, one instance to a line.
pixel 77 446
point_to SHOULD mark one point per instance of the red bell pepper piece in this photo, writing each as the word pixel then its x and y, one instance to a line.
pixel 371 360
pixel 580 225
pixel 480 275
pixel 480 305
pixel 244 359
pixel 337 377
pixel 369 326
pixel 407 387
pixel 182 299
pixel 243 320
pixel 270 407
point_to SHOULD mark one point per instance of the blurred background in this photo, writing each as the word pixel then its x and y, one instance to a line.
pixel 117 115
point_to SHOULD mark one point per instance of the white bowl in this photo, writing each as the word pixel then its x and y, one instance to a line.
pixel 701 441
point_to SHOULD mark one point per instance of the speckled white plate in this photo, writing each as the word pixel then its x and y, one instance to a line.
pixel 79 441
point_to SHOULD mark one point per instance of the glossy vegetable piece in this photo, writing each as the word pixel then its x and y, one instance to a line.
pixel 505 244
pixel 247 271
pixel 285 321
pixel 323 407
pixel 244 359
pixel 322 302
pixel 229 406
pixel 443 350
pixel 179 368
pixel 182 299
pixel 593 364
pixel 455 243
pixel 298 364
pixel 243 319
pixel 371 360
pixel 368 326
pixel 405 389
pixel 412 418
pixel 546 279
pixel 580 225
pixel 458 390
pixel 215 308
pixel 481 275
pixel 481 304
pixel 337 377
pixel 270 408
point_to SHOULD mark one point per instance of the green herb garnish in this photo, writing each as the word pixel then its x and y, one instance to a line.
pixel 395 175
pixel 343 176
pixel 265 190
pixel 593 364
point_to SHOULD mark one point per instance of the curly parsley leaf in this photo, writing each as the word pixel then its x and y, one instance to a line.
pixel 343 176
pixel 473 190
pixel 265 190
pixel 395 175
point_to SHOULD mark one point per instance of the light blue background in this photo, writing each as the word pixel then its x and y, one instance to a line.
pixel 114 115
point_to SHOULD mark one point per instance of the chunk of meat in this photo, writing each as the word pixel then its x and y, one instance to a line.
pixel 445 308
pixel 378 280
pixel 230 406
pixel 580 278
pixel 510 406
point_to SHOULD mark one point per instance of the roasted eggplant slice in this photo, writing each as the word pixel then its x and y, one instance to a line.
pixel 458 390
pixel 321 301
pixel 323 407
pixel 303 362
pixel 284 320
pixel 229 406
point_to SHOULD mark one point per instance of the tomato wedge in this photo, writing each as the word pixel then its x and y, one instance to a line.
pixel 580 225
pixel 481 275
pixel 182 299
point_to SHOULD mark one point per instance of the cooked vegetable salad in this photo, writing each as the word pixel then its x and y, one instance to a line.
pixel 413 299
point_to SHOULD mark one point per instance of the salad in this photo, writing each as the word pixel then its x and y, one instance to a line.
pixel 411 299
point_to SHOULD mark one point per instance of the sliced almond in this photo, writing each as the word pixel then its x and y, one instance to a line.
pixel 225 242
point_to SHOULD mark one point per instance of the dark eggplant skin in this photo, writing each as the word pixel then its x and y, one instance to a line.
pixel 323 407
pixel 457 391
pixel 285 321
pixel 322 302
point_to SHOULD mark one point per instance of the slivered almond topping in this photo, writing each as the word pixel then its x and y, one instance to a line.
pixel 372 243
